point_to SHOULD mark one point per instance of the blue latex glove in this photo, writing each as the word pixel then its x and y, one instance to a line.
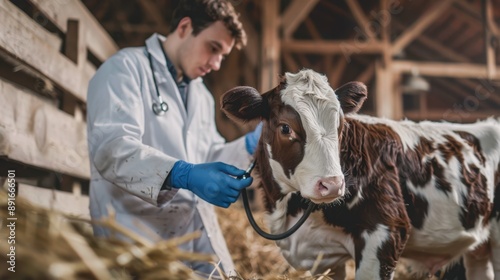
pixel 252 139
pixel 212 182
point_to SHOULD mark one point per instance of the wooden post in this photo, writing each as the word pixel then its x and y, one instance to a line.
pixel 384 96
pixel 75 49
pixel 270 48
pixel 397 90
pixel 488 24
pixel 388 96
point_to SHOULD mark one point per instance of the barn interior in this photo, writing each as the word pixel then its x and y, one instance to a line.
pixel 421 60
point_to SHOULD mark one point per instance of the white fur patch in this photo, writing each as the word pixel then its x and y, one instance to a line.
pixel 369 268
pixel 315 101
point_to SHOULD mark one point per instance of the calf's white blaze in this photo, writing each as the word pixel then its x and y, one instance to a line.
pixel 319 109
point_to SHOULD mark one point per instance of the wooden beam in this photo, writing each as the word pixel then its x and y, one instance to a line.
pixel 228 77
pixel 455 89
pixel 436 46
pixel 336 10
pixel 345 47
pixel 397 92
pixel 473 15
pixel 361 18
pixel 452 55
pixel 76 50
pixel 65 202
pixel 482 91
pixel 251 50
pixel 440 69
pixel 490 29
pixel 311 28
pixel 38 134
pixel 450 115
pixel 385 37
pixel 75 47
pixel 36 84
pixel 294 14
pixel 418 27
pixel 98 40
pixel 270 47
pixel 20 38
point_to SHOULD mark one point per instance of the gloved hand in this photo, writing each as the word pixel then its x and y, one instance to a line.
pixel 252 139
pixel 212 182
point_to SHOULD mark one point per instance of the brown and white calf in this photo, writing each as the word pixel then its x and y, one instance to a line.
pixel 384 189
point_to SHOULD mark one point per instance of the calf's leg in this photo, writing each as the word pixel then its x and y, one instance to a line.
pixel 478 263
pixel 377 252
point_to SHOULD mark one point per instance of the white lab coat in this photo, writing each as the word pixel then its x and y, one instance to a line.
pixel 132 150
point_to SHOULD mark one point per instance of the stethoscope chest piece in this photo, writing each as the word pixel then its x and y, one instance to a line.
pixel 160 108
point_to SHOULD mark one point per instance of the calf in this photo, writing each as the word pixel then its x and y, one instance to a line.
pixel 383 189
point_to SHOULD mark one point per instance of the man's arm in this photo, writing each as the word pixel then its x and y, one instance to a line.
pixel 115 118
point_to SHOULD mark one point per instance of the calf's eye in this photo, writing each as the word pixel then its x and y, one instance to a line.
pixel 285 129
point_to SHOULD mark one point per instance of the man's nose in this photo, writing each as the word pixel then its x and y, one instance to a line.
pixel 215 62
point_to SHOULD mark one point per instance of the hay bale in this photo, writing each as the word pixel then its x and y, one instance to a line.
pixel 51 245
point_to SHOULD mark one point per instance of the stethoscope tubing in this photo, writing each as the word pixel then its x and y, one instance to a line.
pixel 160 108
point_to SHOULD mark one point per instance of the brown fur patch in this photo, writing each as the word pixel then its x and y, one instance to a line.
pixel 495 214
pixel 474 143
pixel 417 168
pixel 476 200
pixel 369 156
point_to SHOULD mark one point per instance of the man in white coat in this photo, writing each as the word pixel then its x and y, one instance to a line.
pixel 155 154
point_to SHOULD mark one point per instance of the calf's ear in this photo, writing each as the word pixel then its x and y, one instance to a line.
pixel 351 96
pixel 242 104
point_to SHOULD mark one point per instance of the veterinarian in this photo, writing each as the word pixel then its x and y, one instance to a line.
pixel 156 157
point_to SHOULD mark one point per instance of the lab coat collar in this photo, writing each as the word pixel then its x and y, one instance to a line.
pixel 155 49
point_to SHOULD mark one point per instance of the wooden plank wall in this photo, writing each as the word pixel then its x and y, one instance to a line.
pixel 48 52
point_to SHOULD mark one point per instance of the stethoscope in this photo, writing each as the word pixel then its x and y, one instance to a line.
pixel 162 107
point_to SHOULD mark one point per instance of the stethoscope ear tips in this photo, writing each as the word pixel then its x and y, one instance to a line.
pixel 160 110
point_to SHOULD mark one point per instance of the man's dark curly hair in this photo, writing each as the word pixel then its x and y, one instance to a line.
pixel 205 12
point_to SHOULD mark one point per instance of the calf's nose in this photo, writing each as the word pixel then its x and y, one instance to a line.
pixel 331 186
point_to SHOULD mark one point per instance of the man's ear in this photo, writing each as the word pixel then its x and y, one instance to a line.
pixel 352 96
pixel 184 27
pixel 243 104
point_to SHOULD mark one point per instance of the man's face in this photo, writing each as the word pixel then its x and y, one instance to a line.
pixel 204 52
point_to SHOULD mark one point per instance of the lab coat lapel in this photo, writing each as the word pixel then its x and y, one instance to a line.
pixel 166 83
pixel 194 89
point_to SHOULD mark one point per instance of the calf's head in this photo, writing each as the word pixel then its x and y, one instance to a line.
pixel 303 120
